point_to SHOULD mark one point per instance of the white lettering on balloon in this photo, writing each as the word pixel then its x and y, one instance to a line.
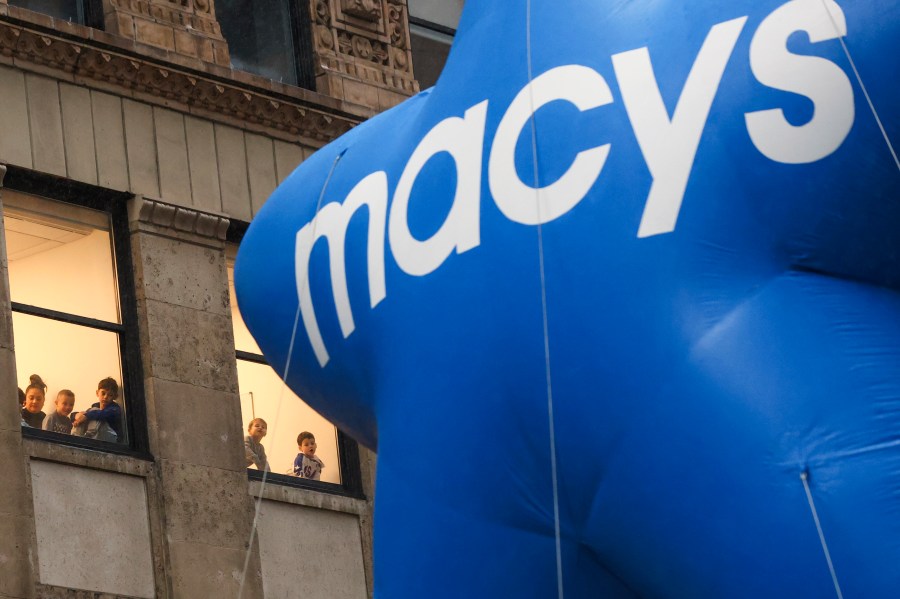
pixel 668 145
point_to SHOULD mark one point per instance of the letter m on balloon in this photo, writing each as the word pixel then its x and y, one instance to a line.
pixel 331 222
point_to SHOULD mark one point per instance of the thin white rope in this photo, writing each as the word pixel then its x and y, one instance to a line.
pixel 284 376
pixel 804 477
pixel 546 327
pixel 862 86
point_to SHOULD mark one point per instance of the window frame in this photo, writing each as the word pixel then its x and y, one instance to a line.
pixel 348 448
pixel 114 204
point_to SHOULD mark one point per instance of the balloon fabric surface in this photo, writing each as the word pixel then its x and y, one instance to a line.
pixel 617 302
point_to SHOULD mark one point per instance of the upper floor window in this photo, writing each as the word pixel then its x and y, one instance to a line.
pixel 268 38
pixel 266 400
pixel 70 335
pixel 432 26
pixel 85 12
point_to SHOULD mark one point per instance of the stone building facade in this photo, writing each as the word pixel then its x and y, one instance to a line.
pixel 125 121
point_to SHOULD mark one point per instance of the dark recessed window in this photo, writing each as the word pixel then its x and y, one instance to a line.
pixel 267 38
pixel 85 12
pixel 432 26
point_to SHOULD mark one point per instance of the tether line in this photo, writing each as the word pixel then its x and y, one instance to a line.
pixel 862 86
pixel 804 477
pixel 287 367
pixel 546 327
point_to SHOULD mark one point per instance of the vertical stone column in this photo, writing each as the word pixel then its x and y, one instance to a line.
pixel 16 509
pixel 193 407
pixel 362 52
pixel 187 27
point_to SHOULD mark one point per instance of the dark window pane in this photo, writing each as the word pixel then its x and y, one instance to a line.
pixel 429 52
pixel 67 10
pixel 259 37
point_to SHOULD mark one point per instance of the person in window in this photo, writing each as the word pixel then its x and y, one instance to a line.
pixel 253 448
pixel 32 412
pixel 103 420
pixel 307 464
pixel 60 421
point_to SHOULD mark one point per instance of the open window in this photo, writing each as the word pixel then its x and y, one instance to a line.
pixel 68 323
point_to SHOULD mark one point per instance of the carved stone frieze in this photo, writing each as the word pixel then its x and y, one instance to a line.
pixel 49 51
pixel 170 82
pixel 369 10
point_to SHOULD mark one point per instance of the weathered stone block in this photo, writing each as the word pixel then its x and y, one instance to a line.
pixel 10 416
pixel 14 492
pixel 201 143
pixel 181 273
pixel 109 139
pixel 186 44
pixel 206 505
pixel 70 549
pixel 197 568
pixel 360 93
pixel 287 158
pixel 78 133
pixel 197 425
pixel 171 145
pixel 45 119
pixel 334 570
pixel 188 346
pixel 261 169
pixel 231 154
pixel 141 148
pixel 15 551
pixel 154 34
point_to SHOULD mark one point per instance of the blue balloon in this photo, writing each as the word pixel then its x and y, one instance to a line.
pixel 617 301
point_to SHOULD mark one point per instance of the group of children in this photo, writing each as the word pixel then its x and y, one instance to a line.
pixel 102 421
pixel 306 465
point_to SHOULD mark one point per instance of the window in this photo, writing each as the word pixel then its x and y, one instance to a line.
pixel 269 38
pixel 264 395
pixel 67 317
pixel 432 25
pixel 85 12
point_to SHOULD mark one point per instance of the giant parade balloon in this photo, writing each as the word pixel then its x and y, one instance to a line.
pixel 617 302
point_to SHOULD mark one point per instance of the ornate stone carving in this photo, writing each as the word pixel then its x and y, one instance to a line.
pixel 170 82
pixel 365 40
pixel 369 10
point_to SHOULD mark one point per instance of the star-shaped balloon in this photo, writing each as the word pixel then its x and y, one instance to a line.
pixel 616 301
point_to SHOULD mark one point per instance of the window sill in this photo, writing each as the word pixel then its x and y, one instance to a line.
pixel 307 493
pixel 88 453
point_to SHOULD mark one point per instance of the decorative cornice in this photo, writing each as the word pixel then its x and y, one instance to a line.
pixel 170 82
pixel 170 218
